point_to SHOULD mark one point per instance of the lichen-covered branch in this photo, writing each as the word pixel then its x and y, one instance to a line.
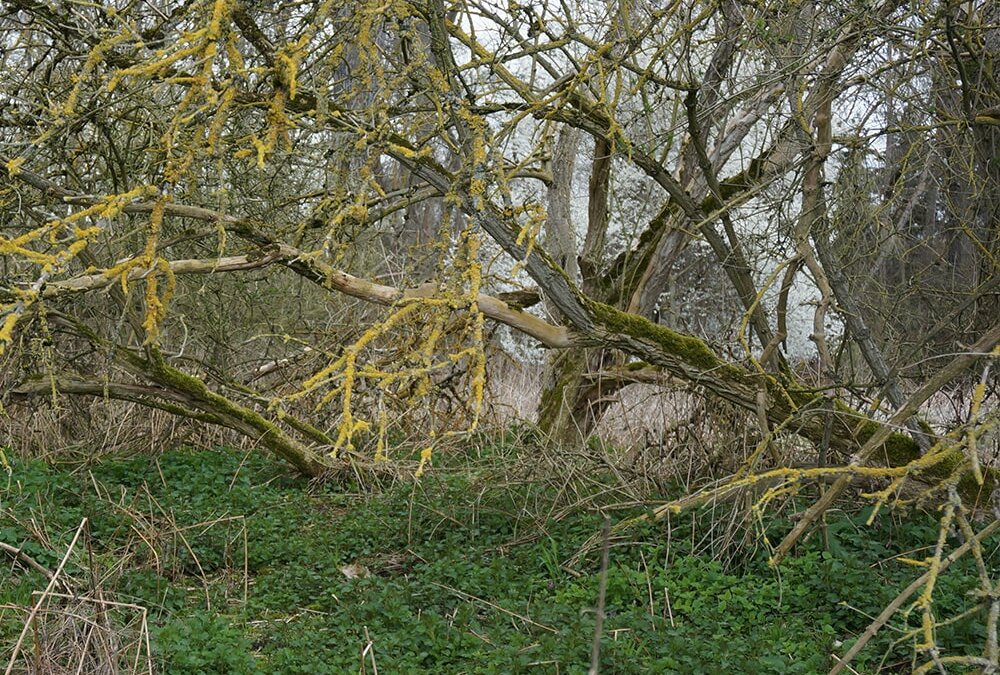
pixel 178 393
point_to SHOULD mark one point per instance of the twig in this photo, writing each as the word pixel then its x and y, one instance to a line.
pixel 670 611
pixel 469 596
pixel 143 640
pixel 595 648
pixel 649 587
pixel 369 651
pixel 950 371
pixel 23 557
pixel 38 605
pixel 838 660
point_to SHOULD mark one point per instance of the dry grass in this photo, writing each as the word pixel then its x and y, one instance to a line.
pixel 79 634
pixel 79 624
pixel 80 631
pixel 651 436
pixel 512 391
pixel 662 432
pixel 82 428
pixel 652 443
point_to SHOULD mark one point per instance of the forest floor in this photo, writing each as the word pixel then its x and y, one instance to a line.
pixel 225 563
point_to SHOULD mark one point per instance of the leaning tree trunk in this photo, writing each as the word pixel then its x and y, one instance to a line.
pixel 576 391
pixel 571 402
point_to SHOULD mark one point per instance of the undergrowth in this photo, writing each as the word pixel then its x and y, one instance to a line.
pixel 244 569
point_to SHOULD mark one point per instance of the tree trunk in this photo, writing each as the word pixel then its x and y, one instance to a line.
pixel 562 413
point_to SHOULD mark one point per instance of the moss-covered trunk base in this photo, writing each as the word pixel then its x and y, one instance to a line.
pixel 559 415
pixel 574 395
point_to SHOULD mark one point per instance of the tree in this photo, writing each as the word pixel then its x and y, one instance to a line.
pixel 173 173
pixel 225 96
pixel 146 147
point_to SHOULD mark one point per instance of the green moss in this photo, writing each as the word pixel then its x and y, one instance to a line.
pixel 625 274
pixel 548 406
pixel 974 493
pixel 899 450
pixel 555 400
pixel 743 180
pixel 689 349
pixel 801 398
pixel 303 460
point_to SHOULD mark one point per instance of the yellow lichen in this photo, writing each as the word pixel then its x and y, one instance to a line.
pixel 426 456
pixel 7 330
pixel 14 166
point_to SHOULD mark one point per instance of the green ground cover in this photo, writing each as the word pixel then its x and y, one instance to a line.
pixel 466 574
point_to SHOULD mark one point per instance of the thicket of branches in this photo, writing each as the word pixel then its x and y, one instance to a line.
pixel 306 222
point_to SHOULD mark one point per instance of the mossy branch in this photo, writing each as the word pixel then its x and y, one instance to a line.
pixel 182 394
